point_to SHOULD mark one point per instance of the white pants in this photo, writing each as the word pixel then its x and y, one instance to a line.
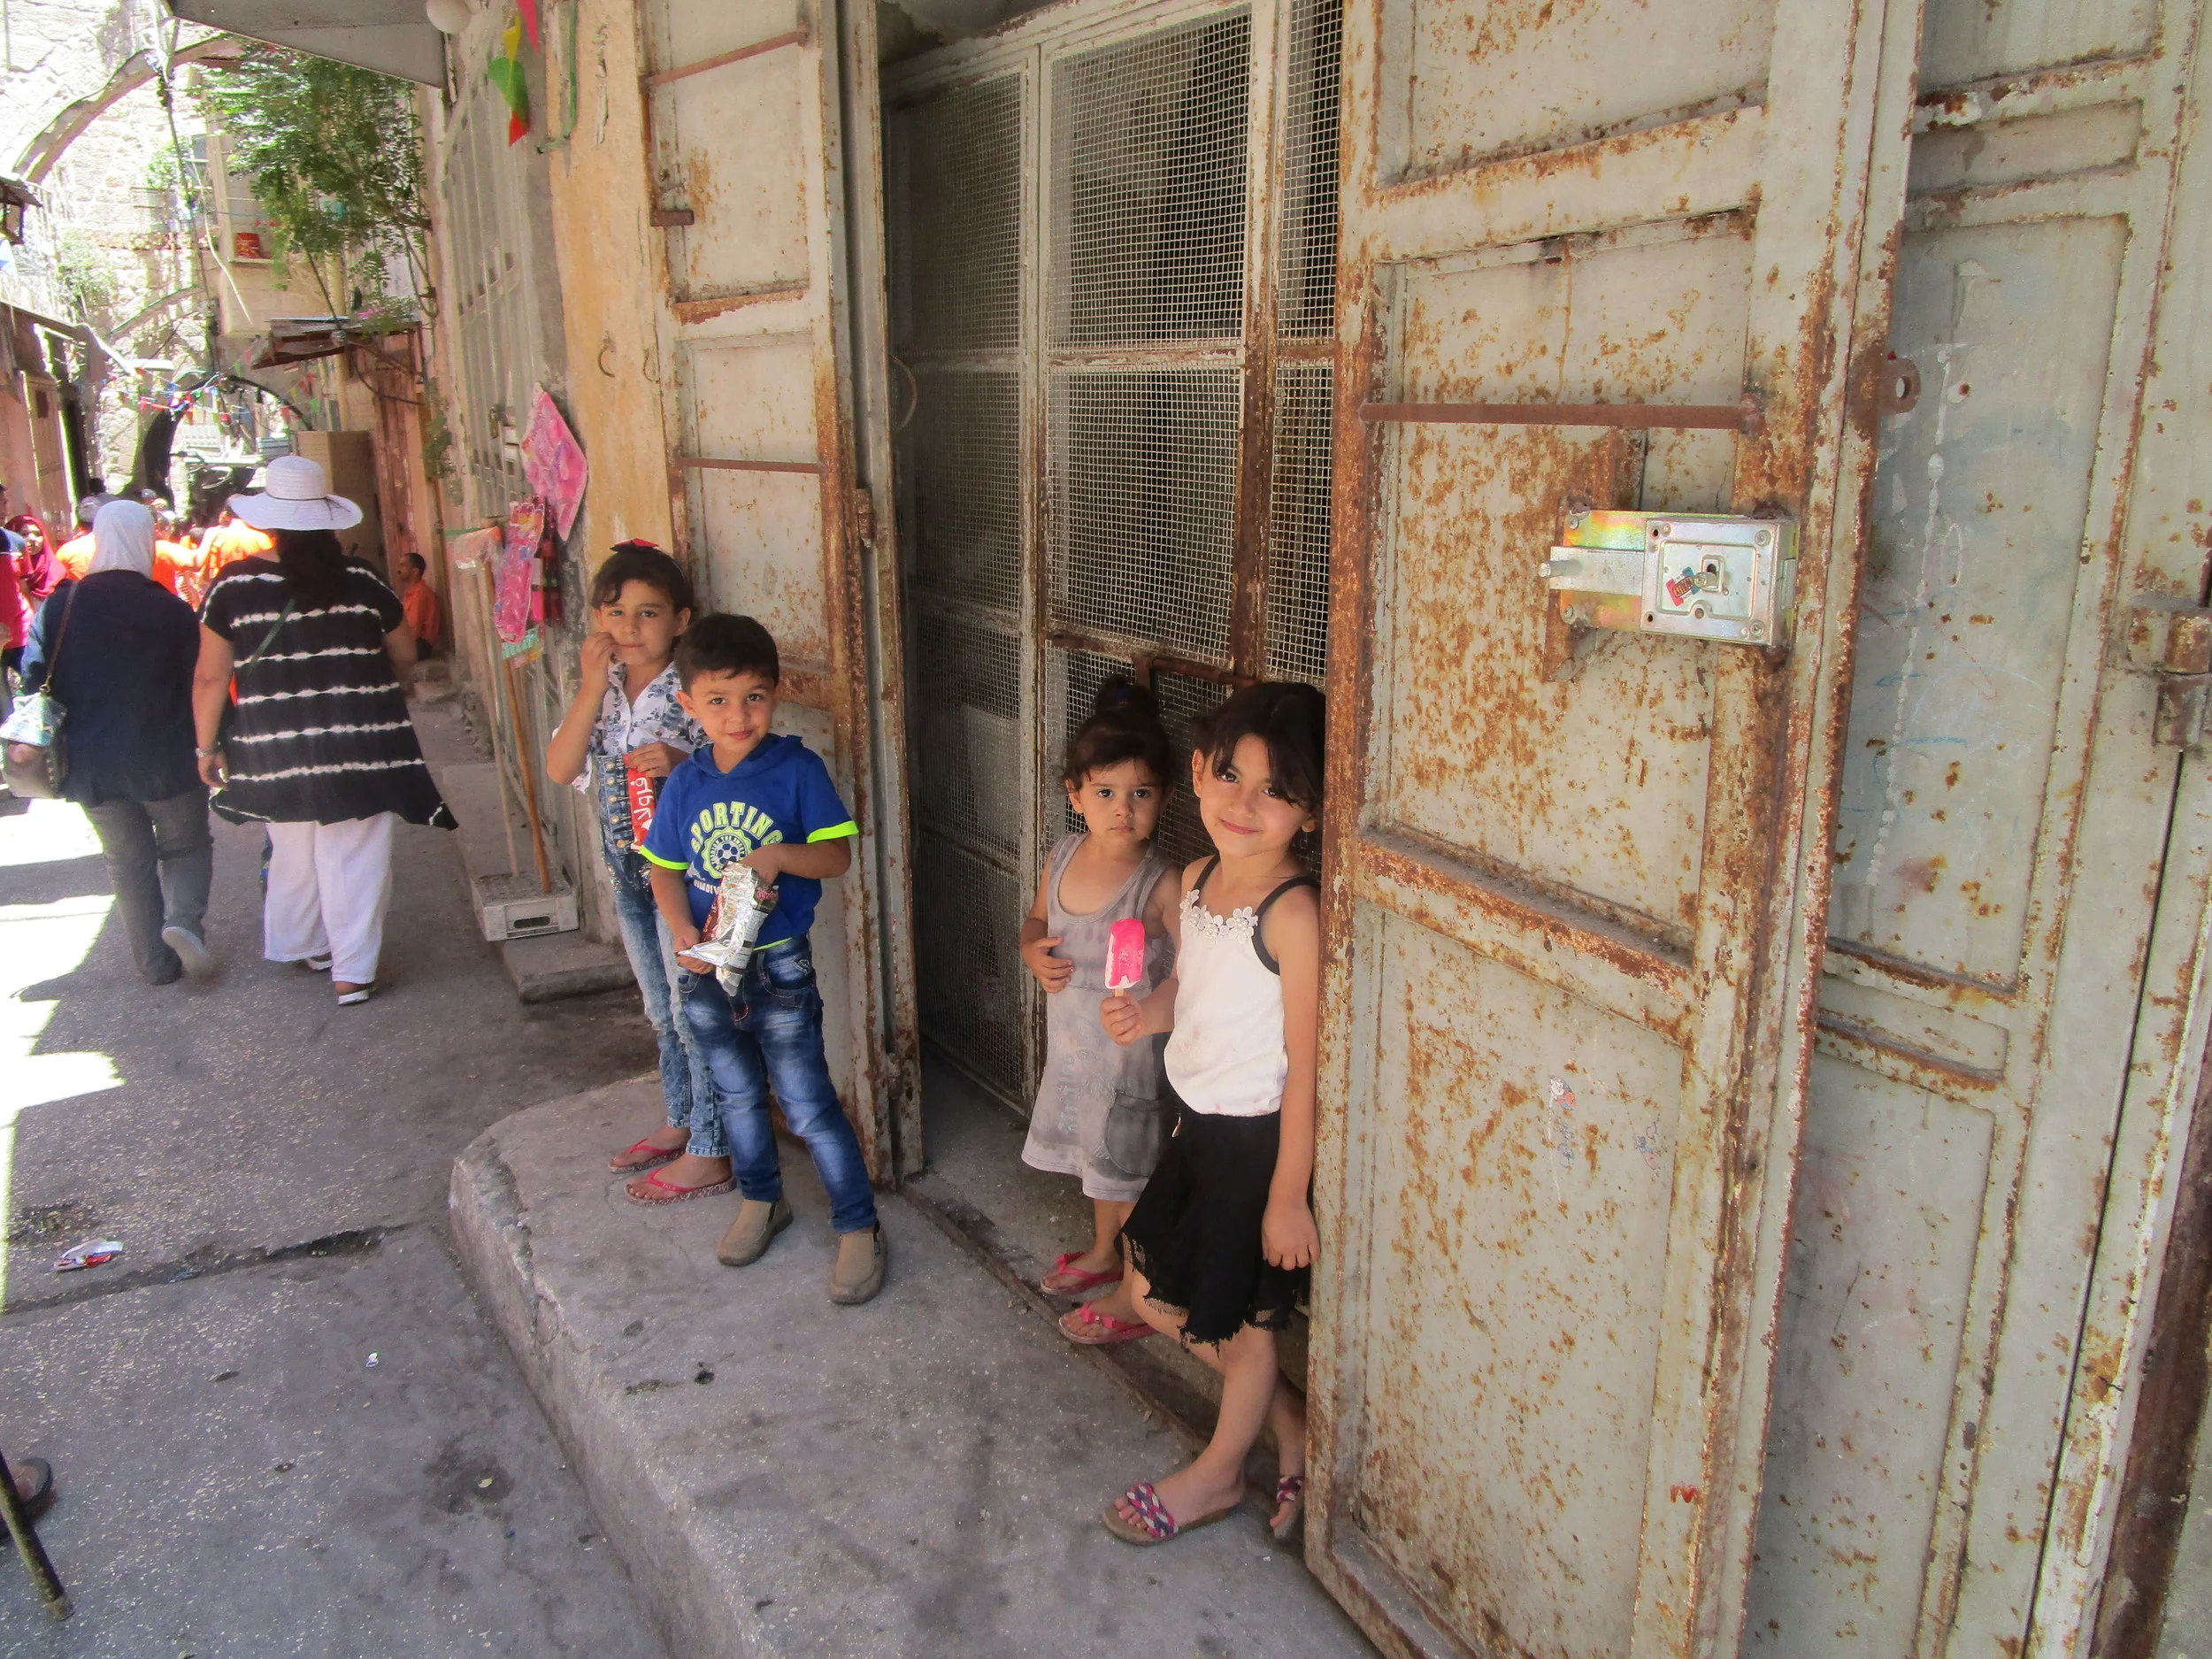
pixel 329 887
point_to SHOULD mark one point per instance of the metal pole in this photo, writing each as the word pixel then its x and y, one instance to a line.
pixel 27 1545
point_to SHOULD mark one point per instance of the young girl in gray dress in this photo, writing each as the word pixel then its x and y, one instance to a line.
pixel 1099 1113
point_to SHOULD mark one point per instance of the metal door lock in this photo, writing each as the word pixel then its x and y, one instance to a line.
pixel 1709 576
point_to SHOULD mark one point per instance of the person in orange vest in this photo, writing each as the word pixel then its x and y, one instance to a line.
pixel 176 566
pixel 420 600
pixel 75 556
pixel 229 541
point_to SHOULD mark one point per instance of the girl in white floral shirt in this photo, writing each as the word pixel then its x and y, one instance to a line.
pixel 624 718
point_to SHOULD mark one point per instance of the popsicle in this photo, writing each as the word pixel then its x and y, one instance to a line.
pixel 1124 953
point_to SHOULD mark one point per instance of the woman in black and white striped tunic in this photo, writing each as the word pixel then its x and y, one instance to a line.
pixel 320 746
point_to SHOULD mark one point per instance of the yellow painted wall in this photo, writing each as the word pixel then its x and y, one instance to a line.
pixel 609 259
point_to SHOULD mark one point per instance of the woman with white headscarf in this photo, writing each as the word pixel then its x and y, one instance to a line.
pixel 117 650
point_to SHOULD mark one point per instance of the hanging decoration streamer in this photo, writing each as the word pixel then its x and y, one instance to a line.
pixel 505 73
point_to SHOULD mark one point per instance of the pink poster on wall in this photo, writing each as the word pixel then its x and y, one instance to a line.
pixel 517 563
pixel 553 461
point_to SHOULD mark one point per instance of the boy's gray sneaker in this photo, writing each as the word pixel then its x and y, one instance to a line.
pixel 190 949
pixel 746 1240
pixel 861 1259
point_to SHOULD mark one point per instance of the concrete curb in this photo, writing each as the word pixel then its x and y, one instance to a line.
pixel 923 1475
pixel 693 1611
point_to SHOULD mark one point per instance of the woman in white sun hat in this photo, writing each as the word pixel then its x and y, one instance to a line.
pixel 317 743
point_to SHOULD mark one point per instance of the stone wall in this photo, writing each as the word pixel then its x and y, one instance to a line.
pixel 106 241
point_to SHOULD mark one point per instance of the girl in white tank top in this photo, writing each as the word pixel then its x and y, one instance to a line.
pixel 1222 1241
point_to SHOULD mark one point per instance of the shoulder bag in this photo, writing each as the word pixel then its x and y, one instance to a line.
pixel 33 744
pixel 230 704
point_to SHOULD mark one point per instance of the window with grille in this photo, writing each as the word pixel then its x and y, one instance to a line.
pixel 1092 359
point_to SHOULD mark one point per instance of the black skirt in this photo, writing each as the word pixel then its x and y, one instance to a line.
pixel 1195 1232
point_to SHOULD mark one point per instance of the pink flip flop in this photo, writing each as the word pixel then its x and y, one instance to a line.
pixel 1061 1281
pixel 1087 1327
pixel 656 1190
pixel 652 1157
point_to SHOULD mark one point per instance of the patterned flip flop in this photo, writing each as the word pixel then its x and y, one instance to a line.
pixel 656 1190
pixel 1154 1524
pixel 655 1156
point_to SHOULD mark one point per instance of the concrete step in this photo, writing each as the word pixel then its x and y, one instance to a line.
pixel 1015 1220
pixel 551 965
pixel 920 1476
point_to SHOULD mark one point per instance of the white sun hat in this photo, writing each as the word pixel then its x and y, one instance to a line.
pixel 295 496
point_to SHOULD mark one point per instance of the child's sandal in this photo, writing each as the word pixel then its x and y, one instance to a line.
pixel 650 1190
pixel 1154 1524
pixel 1086 1327
pixel 642 1156
pixel 1291 1490
pixel 1065 1280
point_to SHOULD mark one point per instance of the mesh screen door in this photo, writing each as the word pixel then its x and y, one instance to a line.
pixel 1113 298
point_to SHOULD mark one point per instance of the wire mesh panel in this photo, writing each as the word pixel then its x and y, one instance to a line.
pixel 971 988
pixel 1184 702
pixel 967 731
pixel 963 486
pixel 1144 483
pixel 954 185
pixel 1129 322
pixel 953 174
pixel 1148 188
pixel 1305 294
pixel 1298 526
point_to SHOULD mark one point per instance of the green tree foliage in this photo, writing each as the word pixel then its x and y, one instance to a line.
pixel 335 156
pixel 82 272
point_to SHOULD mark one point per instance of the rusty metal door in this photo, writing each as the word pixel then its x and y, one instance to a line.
pixel 765 136
pixel 1575 876
pixel 2013 998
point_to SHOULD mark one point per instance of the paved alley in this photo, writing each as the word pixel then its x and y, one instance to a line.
pixel 280 1424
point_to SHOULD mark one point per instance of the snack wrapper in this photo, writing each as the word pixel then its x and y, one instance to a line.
pixel 1124 954
pixel 91 1253
pixel 741 905
pixel 644 795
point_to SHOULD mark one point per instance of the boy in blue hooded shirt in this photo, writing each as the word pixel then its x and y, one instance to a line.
pixel 765 801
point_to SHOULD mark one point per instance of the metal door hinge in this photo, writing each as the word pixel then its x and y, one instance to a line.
pixel 2183 700
pixel 2172 639
pixel 2170 636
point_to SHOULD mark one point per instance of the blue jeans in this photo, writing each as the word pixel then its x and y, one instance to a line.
pixel 769 1036
pixel 684 1085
